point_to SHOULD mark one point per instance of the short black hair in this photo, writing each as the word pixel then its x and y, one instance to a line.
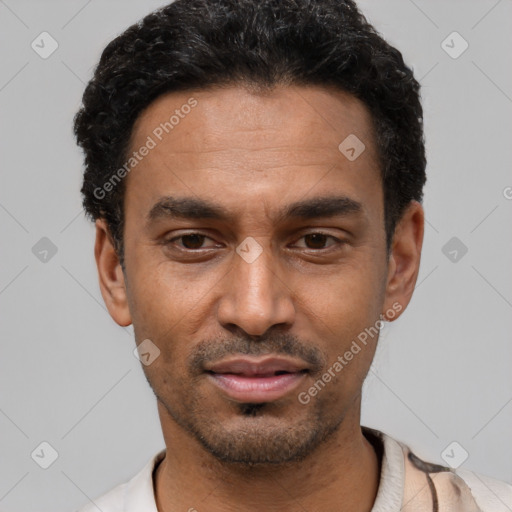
pixel 197 44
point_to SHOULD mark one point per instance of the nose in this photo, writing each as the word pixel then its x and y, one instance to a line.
pixel 256 296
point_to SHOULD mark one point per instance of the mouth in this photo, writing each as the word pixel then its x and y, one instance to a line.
pixel 249 380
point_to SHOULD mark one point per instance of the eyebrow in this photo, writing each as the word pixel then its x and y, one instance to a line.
pixel 194 208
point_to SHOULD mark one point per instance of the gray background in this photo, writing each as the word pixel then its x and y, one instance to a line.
pixel 67 372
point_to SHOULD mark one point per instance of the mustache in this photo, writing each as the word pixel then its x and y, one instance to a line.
pixel 210 351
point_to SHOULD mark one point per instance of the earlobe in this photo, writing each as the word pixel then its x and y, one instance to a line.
pixel 404 261
pixel 110 274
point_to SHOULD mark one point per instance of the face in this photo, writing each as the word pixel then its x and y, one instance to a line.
pixel 255 257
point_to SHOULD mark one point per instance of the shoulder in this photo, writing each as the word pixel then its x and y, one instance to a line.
pixel 411 484
pixel 492 495
pixel 132 496
pixel 111 501
pixel 452 489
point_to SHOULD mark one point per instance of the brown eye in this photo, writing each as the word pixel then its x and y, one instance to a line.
pixel 189 242
pixel 192 241
pixel 316 240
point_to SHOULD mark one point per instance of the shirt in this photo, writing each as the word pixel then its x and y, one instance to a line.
pixel 407 484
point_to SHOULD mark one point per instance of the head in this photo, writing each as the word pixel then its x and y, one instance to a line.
pixel 255 171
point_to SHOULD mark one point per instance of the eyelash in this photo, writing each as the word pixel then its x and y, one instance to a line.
pixel 198 233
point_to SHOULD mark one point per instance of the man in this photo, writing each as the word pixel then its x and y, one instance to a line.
pixel 255 171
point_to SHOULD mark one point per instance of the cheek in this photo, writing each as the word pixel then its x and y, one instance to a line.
pixel 158 290
pixel 165 300
pixel 344 310
pixel 349 297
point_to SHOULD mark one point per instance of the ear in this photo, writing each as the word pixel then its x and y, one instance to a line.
pixel 404 261
pixel 111 277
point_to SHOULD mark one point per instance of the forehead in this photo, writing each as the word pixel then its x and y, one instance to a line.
pixel 319 117
pixel 242 142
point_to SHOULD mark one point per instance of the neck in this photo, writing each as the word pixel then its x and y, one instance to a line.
pixel 341 474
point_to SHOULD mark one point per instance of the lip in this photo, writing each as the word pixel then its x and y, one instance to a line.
pixel 250 380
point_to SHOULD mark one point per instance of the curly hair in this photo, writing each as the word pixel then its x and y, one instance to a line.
pixel 196 44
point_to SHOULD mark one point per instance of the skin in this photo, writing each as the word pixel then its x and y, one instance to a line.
pixel 253 153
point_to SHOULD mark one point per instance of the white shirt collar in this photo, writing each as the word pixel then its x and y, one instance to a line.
pixel 392 475
pixel 138 493
pixel 458 491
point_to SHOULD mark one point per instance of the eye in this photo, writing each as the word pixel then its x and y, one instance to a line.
pixel 194 241
pixel 189 241
pixel 317 240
